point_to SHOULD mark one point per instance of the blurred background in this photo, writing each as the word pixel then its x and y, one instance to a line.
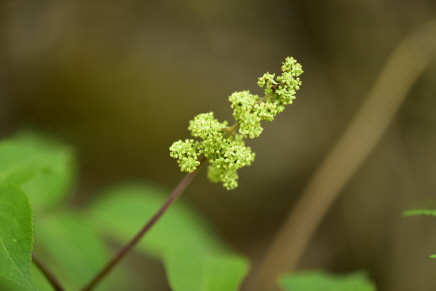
pixel 120 80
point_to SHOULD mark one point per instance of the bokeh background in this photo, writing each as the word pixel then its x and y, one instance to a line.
pixel 119 80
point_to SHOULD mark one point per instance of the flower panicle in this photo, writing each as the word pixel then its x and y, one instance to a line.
pixel 223 146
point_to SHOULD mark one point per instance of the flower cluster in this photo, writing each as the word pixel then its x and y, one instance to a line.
pixel 186 154
pixel 222 146
pixel 283 88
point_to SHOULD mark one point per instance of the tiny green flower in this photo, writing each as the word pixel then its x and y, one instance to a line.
pixel 205 125
pixel 228 177
pixel 244 107
pixel 268 81
pixel 186 154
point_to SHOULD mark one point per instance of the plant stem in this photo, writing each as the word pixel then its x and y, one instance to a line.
pixel 134 241
pixel 231 130
pixel 47 273
pixel 173 197
pixel 264 98
pixel 407 62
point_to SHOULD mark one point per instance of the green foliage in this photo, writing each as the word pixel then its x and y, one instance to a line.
pixel 322 281
pixel 35 169
pixel 68 242
pixel 193 255
pixel 43 168
pixel 194 270
pixel 38 278
pixel 72 243
pixel 222 146
pixel 422 208
pixel 15 236
pixel 415 212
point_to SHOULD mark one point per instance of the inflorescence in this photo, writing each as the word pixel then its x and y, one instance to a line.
pixel 223 147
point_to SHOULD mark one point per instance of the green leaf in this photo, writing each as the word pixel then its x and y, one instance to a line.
pixel 69 245
pixel 414 212
pixel 123 210
pixel 39 279
pixel 432 257
pixel 15 236
pixel 181 237
pixel 43 168
pixel 322 281
pixel 422 207
pixel 192 270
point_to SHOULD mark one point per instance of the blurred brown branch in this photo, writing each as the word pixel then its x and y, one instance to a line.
pixel 405 65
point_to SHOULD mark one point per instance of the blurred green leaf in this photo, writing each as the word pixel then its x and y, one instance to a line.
pixel 70 246
pixel 322 281
pixel 38 278
pixel 181 237
pixel 43 168
pixel 415 212
pixel 123 210
pixel 192 270
pixel 15 236
pixel 421 207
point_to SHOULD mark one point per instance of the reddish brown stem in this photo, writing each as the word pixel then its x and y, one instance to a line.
pixel 134 241
pixel 51 278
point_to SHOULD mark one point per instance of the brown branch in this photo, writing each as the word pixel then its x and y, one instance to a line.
pixel 407 62
pixel 51 278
